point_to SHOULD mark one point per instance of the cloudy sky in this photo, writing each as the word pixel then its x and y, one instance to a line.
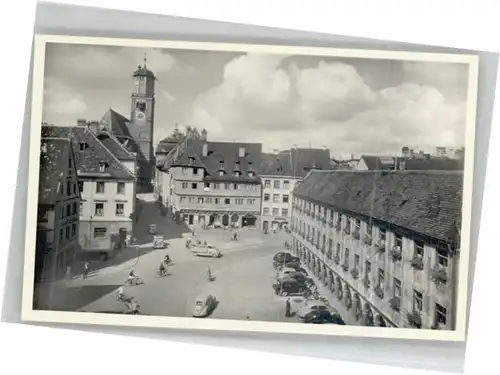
pixel 352 106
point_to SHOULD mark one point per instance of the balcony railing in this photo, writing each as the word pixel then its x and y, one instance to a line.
pixel 439 275
pixel 396 254
pixel 367 239
pixel 356 234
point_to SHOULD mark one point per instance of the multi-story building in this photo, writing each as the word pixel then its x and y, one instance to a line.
pixel 107 187
pixel 58 202
pixel 280 173
pixel 212 183
pixel 387 244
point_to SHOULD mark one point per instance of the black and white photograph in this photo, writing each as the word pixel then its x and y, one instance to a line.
pixel 250 188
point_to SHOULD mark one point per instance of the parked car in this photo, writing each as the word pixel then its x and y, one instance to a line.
pixel 294 265
pixel 206 251
pixel 284 258
pixel 323 317
pixel 286 271
pixel 288 286
pixel 312 306
pixel 204 306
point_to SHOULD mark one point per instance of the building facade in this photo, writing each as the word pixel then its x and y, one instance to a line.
pixel 280 175
pixel 391 259
pixel 107 188
pixel 212 184
pixel 58 202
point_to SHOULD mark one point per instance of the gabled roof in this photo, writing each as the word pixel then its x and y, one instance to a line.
pixel 425 202
pixel 296 162
pixel 222 156
pixel 374 163
pixel 54 155
pixel 116 123
pixel 93 152
pixel 434 164
pixel 114 146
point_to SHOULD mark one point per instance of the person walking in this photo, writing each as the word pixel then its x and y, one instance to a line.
pixel 288 308
pixel 86 270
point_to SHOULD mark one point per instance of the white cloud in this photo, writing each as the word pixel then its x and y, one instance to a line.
pixel 60 99
pixel 331 104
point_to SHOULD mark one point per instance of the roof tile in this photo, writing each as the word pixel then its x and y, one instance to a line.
pixel 426 202
pixel 93 152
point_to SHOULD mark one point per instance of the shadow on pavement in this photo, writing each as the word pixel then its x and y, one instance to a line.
pixel 120 257
pixel 69 299
pixel 155 213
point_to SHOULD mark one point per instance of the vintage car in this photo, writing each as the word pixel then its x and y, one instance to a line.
pixel 311 306
pixel 285 257
pixel 323 317
pixel 286 271
pixel 288 286
pixel 152 228
pixel 206 251
pixel 204 306
pixel 159 242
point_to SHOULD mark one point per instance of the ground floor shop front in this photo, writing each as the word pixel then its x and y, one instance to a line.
pixel 104 236
pixel 224 219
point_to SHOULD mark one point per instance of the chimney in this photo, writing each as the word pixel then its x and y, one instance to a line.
pixel 204 151
pixel 203 136
pixel 241 152
pixel 81 122
pixel 405 151
pixel 93 126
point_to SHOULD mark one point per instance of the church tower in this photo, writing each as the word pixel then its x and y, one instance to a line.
pixel 142 116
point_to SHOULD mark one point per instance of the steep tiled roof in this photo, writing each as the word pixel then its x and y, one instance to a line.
pixel 223 156
pixel 374 163
pixel 54 153
pixel 113 145
pixel 295 162
pixel 116 123
pixel 93 152
pixel 435 164
pixel 425 202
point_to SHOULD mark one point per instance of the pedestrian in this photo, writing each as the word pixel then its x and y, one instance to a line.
pixel 68 272
pixel 86 268
pixel 288 308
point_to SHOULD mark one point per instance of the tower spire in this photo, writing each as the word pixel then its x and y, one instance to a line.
pixel 145 59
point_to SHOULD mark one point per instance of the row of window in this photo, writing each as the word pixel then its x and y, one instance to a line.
pixel 99 208
pixel 101 187
pixel 68 233
pixel 352 227
pixel 221 171
pixel 277 184
pixel 212 200
pixel 277 198
pixel 417 305
pixel 319 239
pixel 275 211
pixel 68 210
pixel 218 186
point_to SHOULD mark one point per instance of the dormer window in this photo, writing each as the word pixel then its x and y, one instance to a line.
pixel 251 174
pixel 237 173
pixel 221 164
pixel 191 160
pixel 221 173
pixel 102 166
pixel 83 146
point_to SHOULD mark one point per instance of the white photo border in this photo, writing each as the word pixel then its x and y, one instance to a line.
pixel 31 315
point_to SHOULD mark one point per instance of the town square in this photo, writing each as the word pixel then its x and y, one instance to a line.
pixel 252 212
